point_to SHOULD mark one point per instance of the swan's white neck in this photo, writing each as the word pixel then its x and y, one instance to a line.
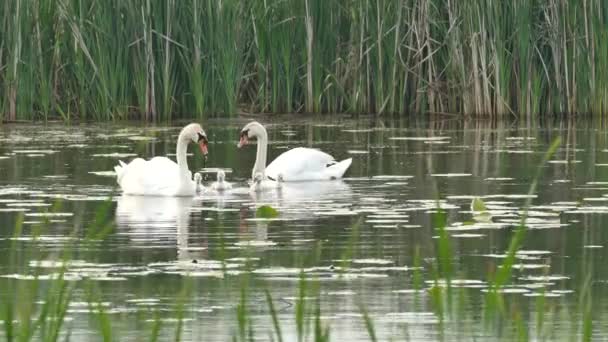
pixel 180 153
pixel 260 159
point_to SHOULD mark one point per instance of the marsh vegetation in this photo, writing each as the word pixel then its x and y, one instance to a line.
pixel 159 60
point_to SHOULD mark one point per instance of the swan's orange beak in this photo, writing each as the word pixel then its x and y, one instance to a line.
pixel 203 146
pixel 244 141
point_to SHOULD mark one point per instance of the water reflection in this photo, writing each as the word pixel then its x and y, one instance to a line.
pixel 151 221
pixel 301 200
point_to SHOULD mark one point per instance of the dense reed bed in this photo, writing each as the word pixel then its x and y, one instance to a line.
pixel 159 60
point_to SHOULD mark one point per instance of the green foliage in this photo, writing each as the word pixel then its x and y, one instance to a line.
pixel 477 204
pixel 266 212
pixel 159 60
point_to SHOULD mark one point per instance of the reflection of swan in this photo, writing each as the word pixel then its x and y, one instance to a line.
pixel 298 164
pixel 301 200
pixel 150 220
pixel 161 176
pixel 253 236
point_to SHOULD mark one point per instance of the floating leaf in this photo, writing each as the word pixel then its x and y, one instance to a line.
pixel 267 212
pixel 477 205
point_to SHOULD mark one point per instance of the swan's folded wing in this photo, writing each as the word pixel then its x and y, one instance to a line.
pixel 153 177
pixel 299 163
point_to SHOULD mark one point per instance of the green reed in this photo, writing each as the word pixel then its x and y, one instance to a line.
pixel 157 60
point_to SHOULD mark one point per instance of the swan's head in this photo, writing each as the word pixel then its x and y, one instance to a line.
pixel 198 178
pixel 252 130
pixel 258 177
pixel 196 133
pixel 221 175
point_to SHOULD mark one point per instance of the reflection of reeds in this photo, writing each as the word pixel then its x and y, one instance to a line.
pixel 158 60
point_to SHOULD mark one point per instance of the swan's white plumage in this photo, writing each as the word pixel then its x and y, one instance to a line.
pixel 161 176
pixel 221 184
pixel 298 164
pixel 306 164
pixel 261 183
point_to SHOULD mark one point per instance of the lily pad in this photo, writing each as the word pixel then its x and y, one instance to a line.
pixel 478 205
pixel 266 212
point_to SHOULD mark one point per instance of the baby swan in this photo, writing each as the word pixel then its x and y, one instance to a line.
pixel 262 183
pixel 221 184
pixel 198 180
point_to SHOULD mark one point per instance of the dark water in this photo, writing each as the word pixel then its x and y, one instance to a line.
pixel 376 218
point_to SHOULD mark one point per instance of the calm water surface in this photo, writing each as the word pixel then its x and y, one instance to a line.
pixel 383 208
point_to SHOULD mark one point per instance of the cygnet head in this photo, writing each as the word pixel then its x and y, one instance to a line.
pixel 221 175
pixel 258 177
pixel 196 134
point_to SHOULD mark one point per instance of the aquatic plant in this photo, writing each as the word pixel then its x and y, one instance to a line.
pixel 159 60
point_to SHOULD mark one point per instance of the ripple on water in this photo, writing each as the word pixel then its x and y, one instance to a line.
pixel 522 267
pixel 509 290
pixel 588 210
pixel 424 139
pixel 36 152
pixel 255 243
pixel 341 293
pixel 544 278
pixel 451 175
pixel 467 283
pixel 141 138
pixel 28 204
pixel 372 261
pixel 14 209
pixel 533 252
pixel 103 173
pixel 49 214
pixel 392 177
pixel 114 155
pixel 274 271
pixel 410 318
pixel 467 235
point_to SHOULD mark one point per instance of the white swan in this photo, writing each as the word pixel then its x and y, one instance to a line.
pixel 298 164
pixel 221 184
pixel 161 176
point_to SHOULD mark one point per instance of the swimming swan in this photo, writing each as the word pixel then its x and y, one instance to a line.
pixel 221 184
pixel 298 164
pixel 161 176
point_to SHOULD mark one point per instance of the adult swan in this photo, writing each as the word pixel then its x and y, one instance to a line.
pixel 161 176
pixel 298 164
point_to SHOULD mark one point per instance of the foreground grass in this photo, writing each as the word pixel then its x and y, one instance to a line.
pixel 156 60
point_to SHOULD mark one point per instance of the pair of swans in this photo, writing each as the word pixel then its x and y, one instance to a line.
pixel 161 176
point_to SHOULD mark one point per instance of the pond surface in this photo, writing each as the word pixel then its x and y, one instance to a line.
pixel 357 239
